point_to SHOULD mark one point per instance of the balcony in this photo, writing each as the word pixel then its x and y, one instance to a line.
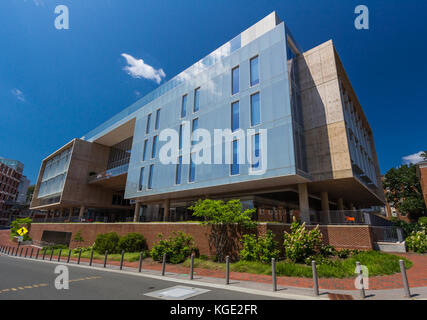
pixel 114 178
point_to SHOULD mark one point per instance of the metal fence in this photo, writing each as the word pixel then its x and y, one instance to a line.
pixel 385 234
pixel 84 219
pixel 340 217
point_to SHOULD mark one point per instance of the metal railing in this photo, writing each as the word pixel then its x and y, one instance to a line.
pixel 385 234
pixel 339 217
pixel 109 173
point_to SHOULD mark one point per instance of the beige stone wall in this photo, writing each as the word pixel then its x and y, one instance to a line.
pixel 328 154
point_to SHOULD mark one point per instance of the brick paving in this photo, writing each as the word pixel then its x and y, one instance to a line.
pixel 417 274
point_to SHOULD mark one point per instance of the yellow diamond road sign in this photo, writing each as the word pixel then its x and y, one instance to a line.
pixel 23 231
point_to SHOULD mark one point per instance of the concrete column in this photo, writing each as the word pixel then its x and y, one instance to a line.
pixel 304 206
pixel 70 213
pixel 351 206
pixel 166 209
pixel 340 204
pixel 325 201
pixel 47 216
pixel 137 210
pixel 82 211
pixel 61 212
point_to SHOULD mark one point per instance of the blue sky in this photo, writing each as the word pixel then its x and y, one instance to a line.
pixel 56 85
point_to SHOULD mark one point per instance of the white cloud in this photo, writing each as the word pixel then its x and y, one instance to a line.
pixel 413 158
pixel 18 94
pixel 137 68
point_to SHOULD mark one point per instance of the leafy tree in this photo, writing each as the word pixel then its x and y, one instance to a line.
pixel 424 155
pixel 224 219
pixel 403 191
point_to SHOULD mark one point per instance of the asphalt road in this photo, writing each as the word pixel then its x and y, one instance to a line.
pixel 35 280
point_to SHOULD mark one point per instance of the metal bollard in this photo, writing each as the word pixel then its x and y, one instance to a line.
pixel 227 270
pixel 140 261
pixel 362 286
pixel 26 252
pixel 121 260
pixel 164 264
pixel 13 250
pixel 59 255
pixel 51 255
pixel 37 254
pixel 80 255
pixel 315 278
pixel 192 267
pixel 20 252
pixel 404 279
pixel 69 255
pixel 44 253
pixel 31 253
pixel 91 258
pixel 105 258
pixel 273 273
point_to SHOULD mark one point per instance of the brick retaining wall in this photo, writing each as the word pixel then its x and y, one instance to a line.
pixel 348 237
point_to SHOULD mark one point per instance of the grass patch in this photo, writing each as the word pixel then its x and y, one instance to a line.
pixel 378 263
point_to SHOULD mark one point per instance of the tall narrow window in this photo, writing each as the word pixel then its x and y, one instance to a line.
pixel 147 128
pixel 184 106
pixel 178 171
pixel 195 126
pixel 196 100
pixel 150 177
pixel 144 151
pixel 254 71
pixel 235 80
pixel 141 179
pixel 180 137
pixel 154 149
pixel 256 153
pixel 255 110
pixel 235 163
pixel 192 175
pixel 235 116
pixel 156 127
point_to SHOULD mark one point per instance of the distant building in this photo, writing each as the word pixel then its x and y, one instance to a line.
pixel 422 174
pixel 13 190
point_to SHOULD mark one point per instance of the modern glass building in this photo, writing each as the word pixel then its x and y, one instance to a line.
pixel 257 119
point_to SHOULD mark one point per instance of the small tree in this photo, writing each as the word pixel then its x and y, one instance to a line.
pixel 223 217
pixel 78 238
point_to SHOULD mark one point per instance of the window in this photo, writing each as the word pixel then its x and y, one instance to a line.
pixel 156 127
pixel 235 164
pixel 144 152
pixel 235 81
pixel 150 177
pixel 195 126
pixel 254 71
pixel 196 100
pixel 255 110
pixel 154 149
pixel 147 129
pixel 178 171
pixel 141 179
pixel 180 137
pixel 184 106
pixel 235 116
pixel 256 153
pixel 192 175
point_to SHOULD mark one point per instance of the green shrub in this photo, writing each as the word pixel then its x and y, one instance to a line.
pixel 107 241
pixel 177 248
pixel 417 241
pixel 261 249
pixel 132 242
pixel 343 254
pixel 327 251
pixel 301 244
pixel 18 224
